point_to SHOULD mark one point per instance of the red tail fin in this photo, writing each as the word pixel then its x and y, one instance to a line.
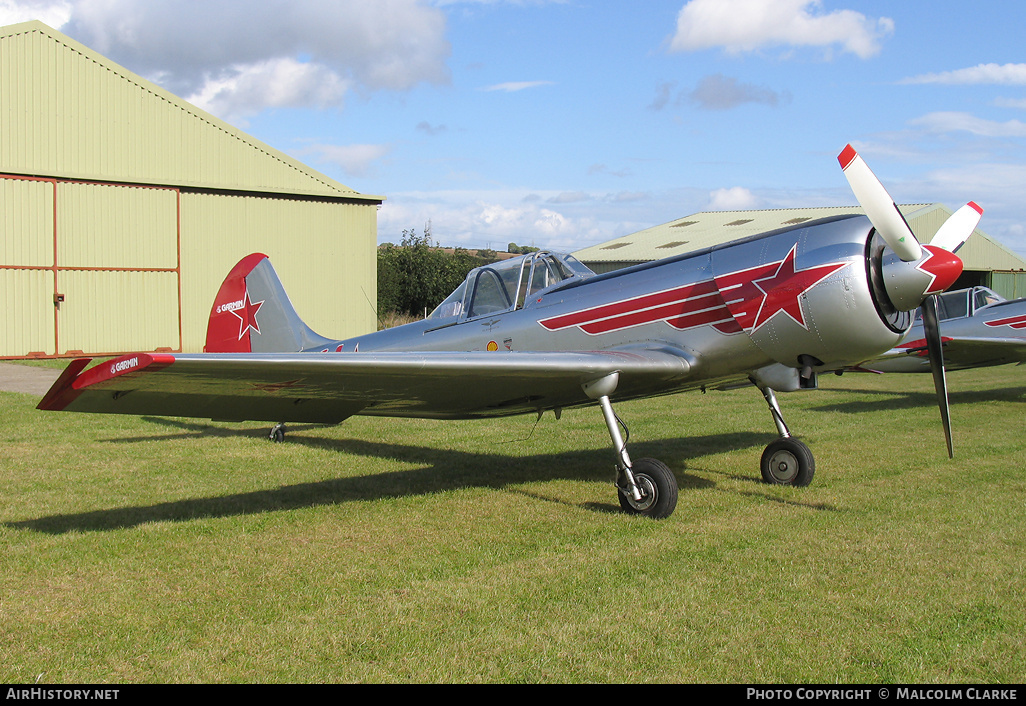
pixel 233 315
pixel 253 314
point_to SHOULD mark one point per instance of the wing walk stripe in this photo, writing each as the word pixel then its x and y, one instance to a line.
pixel 630 307
pixel 657 313
pixel 670 314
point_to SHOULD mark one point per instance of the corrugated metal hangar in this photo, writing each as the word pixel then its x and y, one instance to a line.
pixel 123 207
pixel 986 261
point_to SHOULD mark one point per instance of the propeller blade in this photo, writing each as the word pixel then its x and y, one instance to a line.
pixel 879 206
pixel 957 229
pixel 931 327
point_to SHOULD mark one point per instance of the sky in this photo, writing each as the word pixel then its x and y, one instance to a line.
pixel 565 123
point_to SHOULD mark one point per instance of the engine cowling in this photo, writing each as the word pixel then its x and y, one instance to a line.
pixel 827 294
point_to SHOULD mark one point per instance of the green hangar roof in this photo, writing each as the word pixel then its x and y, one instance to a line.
pixel 709 228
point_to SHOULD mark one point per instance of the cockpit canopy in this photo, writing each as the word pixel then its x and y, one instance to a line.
pixel 510 284
pixel 963 302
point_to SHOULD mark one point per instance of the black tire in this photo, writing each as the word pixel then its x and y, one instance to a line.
pixel 788 462
pixel 277 434
pixel 659 486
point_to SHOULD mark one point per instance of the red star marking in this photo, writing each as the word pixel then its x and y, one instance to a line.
pixel 783 289
pixel 247 315
pixel 277 386
pixel 739 300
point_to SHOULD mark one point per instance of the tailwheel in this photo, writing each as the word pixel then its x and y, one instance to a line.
pixel 788 461
pixel 277 433
pixel 658 488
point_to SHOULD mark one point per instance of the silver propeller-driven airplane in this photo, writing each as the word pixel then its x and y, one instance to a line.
pixel 542 332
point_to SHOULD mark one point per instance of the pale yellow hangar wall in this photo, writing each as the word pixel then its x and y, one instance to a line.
pixel 325 254
pixel 26 267
pixel 117 268
pixel 122 208
pixel 76 261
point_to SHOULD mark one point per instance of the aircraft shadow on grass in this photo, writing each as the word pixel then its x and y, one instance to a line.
pixel 443 469
pixel 895 399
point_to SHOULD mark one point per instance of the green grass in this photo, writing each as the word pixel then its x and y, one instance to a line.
pixel 164 550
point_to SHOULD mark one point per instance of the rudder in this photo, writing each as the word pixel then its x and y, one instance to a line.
pixel 252 313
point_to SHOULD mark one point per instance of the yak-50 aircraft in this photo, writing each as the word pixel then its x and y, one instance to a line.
pixel 979 328
pixel 542 332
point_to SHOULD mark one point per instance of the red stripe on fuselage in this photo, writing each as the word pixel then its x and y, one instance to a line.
pixel 1015 322
pixel 676 304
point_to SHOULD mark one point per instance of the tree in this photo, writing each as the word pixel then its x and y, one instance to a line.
pixel 520 249
pixel 415 275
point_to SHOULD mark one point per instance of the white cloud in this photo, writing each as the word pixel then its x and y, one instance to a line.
pixel 736 198
pixel 749 25
pixel 628 197
pixel 354 160
pixel 719 92
pixel 1002 74
pixel 569 197
pixel 1019 103
pixel 276 83
pixel 603 169
pixel 431 130
pixel 54 14
pixel 550 225
pixel 496 217
pixel 944 122
pixel 514 86
pixel 237 56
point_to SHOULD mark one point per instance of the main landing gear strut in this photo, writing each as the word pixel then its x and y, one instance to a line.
pixel 646 487
pixel 786 461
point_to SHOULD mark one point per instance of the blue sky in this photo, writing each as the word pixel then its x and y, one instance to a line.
pixel 567 123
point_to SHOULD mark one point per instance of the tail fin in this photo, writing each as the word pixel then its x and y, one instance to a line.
pixel 252 313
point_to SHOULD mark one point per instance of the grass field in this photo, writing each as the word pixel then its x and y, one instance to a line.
pixel 165 550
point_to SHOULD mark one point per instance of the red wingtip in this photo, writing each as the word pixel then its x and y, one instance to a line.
pixel 60 393
pixel 847 156
pixel 976 207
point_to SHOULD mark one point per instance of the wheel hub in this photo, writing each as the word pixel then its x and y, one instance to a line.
pixel 649 494
pixel 783 466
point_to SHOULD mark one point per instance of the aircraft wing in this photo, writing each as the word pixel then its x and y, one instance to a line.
pixel 960 352
pixel 327 388
pixel 963 352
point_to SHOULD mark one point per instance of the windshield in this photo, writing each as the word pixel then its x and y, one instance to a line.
pixel 982 296
pixel 509 284
pixel 452 305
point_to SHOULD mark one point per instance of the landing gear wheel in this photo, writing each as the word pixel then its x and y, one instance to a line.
pixel 658 488
pixel 277 434
pixel 787 462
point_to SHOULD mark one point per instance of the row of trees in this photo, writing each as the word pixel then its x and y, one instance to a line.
pixel 415 276
pixel 520 249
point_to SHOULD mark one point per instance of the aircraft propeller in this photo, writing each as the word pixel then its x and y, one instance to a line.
pixel 935 349
pixel 959 226
pixel 879 206
pixel 883 213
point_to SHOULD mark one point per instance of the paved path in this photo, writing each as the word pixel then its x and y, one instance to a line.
pixel 27 378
